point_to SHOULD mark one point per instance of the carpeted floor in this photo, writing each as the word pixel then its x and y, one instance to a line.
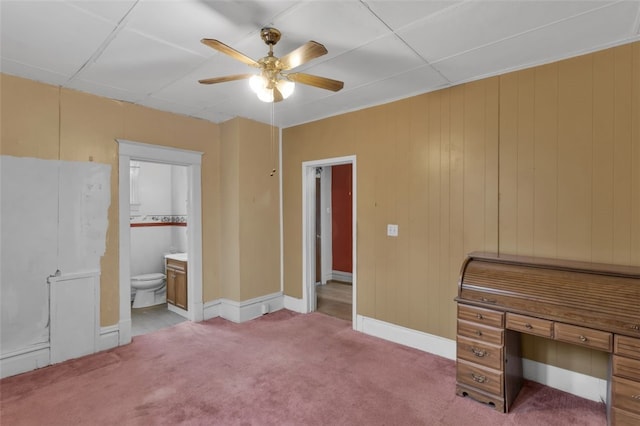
pixel 281 369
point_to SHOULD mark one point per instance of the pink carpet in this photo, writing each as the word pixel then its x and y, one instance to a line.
pixel 281 369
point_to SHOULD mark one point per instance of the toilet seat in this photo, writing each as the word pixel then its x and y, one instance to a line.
pixel 149 277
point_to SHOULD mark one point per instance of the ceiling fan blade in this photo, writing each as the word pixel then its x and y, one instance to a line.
pixel 224 79
pixel 302 54
pixel 221 47
pixel 314 80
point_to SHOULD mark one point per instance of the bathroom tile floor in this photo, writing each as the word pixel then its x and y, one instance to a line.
pixel 146 320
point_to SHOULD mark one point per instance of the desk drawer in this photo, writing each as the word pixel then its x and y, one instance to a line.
pixel 624 418
pixel 530 325
pixel 626 367
pixel 481 315
pixel 594 339
pixel 625 394
pixel 481 332
pixel 627 346
pixel 482 378
pixel 480 353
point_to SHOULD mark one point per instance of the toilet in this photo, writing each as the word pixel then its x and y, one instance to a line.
pixel 150 290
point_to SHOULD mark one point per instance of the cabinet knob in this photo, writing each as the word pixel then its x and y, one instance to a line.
pixel 582 338
pixel 478 352
pixel 479 316
pixel 478 378
pixel 528 326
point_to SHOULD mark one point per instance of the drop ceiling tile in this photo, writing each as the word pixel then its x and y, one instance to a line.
pixel 398 14
pixel 112 11
pixel 551 43
pixel 164 105
pixel 478 23
pixel 136 63
pixel 106 91
pixel 52 36
pixel 382 58
pixel 290 116
pixel 411 83
pixel 185 23
pixel 340 27
pixel 213 115
pixel 8 66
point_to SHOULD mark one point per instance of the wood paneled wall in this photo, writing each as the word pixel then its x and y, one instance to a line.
pixel 544 161
pixel 428 164
pixel 570 170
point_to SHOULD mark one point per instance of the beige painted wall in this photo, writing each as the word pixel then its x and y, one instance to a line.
pixel 250 212
pixel 560 143
pixel 47 122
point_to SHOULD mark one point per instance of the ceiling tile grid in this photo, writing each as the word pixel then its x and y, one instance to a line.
pixel 149 51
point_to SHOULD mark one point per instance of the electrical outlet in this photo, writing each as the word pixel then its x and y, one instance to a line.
pixel 392 230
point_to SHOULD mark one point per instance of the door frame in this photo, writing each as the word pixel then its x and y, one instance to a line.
pixel 308 229
pixel 130 150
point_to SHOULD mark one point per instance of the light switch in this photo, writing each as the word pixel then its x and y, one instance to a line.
pixel 392 230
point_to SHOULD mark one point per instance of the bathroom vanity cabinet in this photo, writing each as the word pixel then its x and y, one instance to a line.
pixel 177 283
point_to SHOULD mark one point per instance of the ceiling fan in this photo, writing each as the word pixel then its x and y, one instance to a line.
pixel 274 83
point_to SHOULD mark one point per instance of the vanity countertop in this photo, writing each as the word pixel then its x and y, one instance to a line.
pixel 177 256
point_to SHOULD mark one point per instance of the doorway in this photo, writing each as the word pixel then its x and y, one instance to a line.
pixel 317 253
pixel 158 231
pixel 128 151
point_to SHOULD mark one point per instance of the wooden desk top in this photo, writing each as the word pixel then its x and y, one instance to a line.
pixel 599 296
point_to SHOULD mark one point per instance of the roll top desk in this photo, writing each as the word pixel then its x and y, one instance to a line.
pixel 587 304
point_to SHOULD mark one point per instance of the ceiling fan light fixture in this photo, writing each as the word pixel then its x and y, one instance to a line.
pixel 264 89
pixel 274 82
pixel 257 83
pixel 265 95
pixel 285 87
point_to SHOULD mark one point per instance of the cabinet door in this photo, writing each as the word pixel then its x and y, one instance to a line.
pixel 171 285
pixel 181 289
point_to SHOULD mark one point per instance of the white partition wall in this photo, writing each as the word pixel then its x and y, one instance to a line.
pixel 53 224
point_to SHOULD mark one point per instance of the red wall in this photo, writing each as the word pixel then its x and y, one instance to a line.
pixel 341 217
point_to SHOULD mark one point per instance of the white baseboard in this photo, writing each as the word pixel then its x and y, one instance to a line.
pixel 294 304
pixel 346 277
pixel 109 337
pixel 24 360
pixel 250 309
pixel 574 383
pixel 408 337
pixel 577 384
pixel 211 309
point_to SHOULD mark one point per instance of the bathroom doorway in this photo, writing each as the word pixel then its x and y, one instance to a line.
pixel 158 232
pixel 191 160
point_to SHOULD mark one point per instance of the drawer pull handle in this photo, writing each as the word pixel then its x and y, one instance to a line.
pixel 528 326
pixel 478 378
pixel 478 352
pixel 479 332
pixel 479 316
pixel 484 299
pixel 635 327
pixel 582 338
pixel 636 397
